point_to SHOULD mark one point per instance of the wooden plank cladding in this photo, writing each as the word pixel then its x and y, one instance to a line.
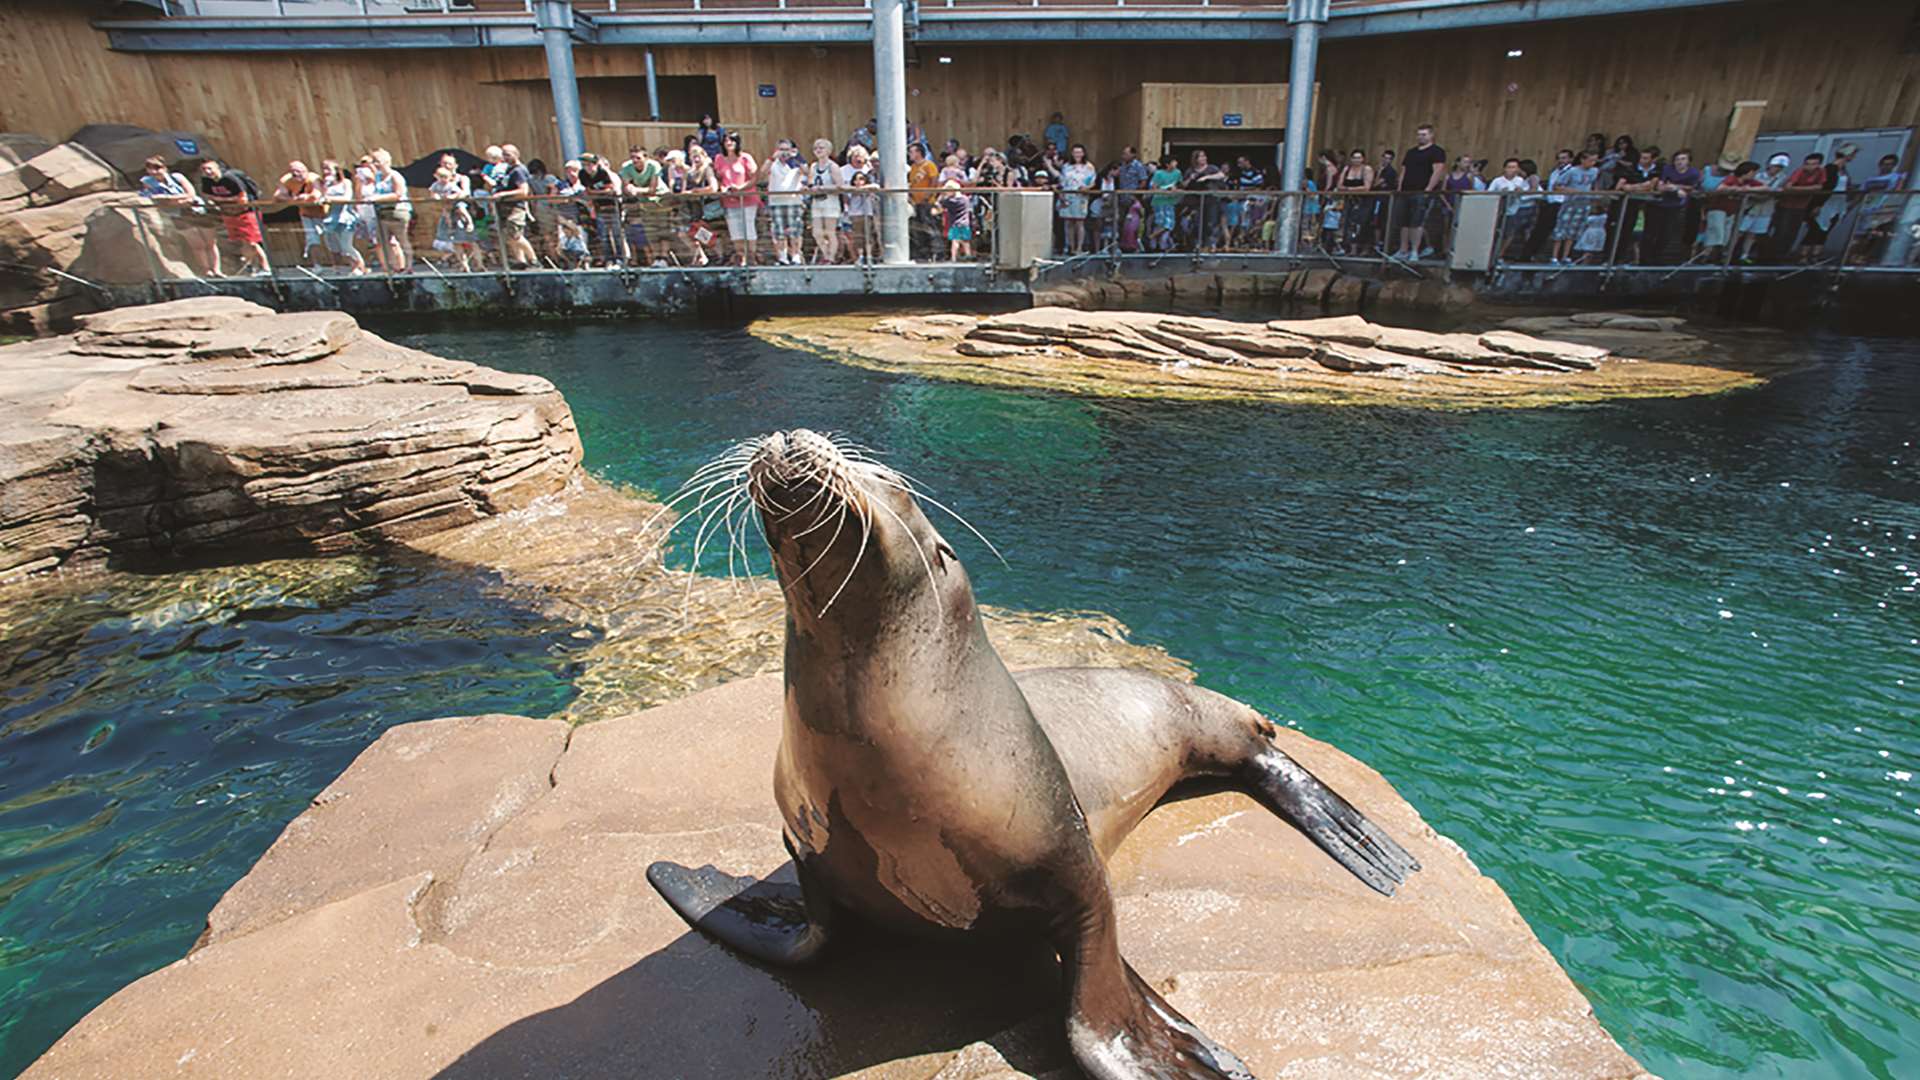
pixel 1670 78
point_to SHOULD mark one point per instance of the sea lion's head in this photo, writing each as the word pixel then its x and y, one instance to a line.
pixel 847 533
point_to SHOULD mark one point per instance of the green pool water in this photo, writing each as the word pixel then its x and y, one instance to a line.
pixel 1652 664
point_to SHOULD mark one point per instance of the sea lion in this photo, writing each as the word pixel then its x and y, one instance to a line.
pixel 924 787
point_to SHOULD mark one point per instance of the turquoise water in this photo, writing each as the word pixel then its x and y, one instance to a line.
pixel 1644 661
pixel 1652 664
pixel 156 734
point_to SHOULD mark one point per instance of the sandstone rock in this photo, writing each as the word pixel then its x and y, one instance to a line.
pixel 1558 353
pixel 1245 338
pixel 1110 349
pixel 502 928
pixel 198 313
pixel 989 348
pixel 925 327
pixel 18 146
pixel 286 339
pixel 294 431
pixel 95 237
pixel 1452 348
pixel 1338 357
pixel 1190 346
pixel 1005 337
pixel 64 172
pixel 1344 329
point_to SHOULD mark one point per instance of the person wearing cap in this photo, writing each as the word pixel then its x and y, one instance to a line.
pixel 1757 222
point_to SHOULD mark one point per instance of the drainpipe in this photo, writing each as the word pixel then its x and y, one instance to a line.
pixel 653 89
pixel 554 19
pixel 890 108
pixel 1306 17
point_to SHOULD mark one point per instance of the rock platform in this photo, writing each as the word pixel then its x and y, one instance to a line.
pixel 467 900
pixel 1340 359
pixel 213 428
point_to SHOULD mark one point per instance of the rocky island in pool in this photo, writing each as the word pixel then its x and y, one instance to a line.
pixel 1342 359
pixel 467 898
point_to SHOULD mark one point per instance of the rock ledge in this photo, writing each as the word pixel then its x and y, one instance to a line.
pixel 212 428
pixel 467 900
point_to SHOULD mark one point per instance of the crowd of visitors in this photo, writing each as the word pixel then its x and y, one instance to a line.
pixel 710 201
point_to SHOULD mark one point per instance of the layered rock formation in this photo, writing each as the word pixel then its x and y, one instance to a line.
pixel 467 900
pixel 215 428
pixel 1337 359
pixel 70 223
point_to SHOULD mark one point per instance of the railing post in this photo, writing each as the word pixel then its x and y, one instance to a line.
pixel 890 108
pixel 555 23
pixel 1306 17
pixel 653 89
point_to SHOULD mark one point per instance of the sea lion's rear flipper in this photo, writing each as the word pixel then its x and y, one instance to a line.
pixel 772 921
pixel 1149 1039
pixel 1295 794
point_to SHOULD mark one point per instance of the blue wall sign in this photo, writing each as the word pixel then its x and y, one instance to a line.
pixel 766 89
pixel 1232 119
pixel 189 147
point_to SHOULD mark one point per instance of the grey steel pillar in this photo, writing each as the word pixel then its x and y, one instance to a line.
pixel 653 88
pixel 1306 17
pixel 890 108
pixel 554 18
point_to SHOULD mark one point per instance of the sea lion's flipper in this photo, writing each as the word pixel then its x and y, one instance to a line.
pixel 775 922
pixel 1297 795
pixel 1150 1039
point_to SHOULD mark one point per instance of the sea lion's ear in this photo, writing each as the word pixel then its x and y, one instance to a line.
pixel 944 554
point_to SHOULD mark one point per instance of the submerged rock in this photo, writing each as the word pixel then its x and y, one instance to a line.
pixel 213 428
pixel 466 900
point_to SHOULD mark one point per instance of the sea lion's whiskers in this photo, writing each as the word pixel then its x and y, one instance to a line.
pixel 685 492
pixel 840 524
pixel 699 545
pixel 909 486
pixel 866 533
pixel 917 549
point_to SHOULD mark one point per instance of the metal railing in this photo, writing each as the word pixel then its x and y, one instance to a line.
pixel 555 234
pixel 375 8
pixel 1586 233
pixel 1744 230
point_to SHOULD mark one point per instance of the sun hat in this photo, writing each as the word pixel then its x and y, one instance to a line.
pixel 1730 161
pixel 1846 149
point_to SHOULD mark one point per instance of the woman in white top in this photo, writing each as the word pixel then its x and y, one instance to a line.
pixel 1076 176
pixel 824 179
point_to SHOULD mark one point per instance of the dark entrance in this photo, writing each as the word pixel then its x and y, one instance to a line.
pixel 1260 145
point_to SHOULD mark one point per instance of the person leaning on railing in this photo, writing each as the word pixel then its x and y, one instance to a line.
pixel 643 179
pixel 823 181
pixel 387 191
pixel 785 174
pixel 164 187
pixel 342 213
pixel 703 213
pixel 298 186
pixel 235 193
pixel 512 213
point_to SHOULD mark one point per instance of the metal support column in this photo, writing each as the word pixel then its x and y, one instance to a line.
pixel 653 88
pixel 554 19
pixel 1306 18
pixel 890 108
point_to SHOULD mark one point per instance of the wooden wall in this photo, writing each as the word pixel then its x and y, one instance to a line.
pixel 1670 78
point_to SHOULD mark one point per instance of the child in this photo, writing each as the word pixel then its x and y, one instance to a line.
pixel 1593 237
pixel 573 243
pixel 958 210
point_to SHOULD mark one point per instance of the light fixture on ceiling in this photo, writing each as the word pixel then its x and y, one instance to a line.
pixel 946 59
pixel 1513 54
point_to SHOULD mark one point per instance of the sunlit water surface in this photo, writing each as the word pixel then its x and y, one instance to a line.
pixel 1652 664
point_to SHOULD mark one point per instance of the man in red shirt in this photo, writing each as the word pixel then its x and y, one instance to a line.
pixel 1807 181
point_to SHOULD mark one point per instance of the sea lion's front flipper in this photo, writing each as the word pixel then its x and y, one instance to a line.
pixel 1297 795
pixel 1148 1038
pixel 775 922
